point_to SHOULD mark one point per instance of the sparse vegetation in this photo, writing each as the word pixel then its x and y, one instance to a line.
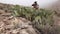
pixel 41 19
pixel 20 21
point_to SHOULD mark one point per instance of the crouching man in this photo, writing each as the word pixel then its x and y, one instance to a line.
pixel 35 5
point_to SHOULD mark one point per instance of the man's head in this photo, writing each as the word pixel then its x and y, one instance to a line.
pixel 35 2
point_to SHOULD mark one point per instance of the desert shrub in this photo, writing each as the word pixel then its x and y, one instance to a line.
pixel 41 19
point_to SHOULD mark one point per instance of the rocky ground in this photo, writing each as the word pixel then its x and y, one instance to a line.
pixel 17 25
pixel 14 25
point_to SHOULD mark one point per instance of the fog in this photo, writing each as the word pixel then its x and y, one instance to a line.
pixel 42 3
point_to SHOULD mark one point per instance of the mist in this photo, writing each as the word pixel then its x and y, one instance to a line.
pixel 42 3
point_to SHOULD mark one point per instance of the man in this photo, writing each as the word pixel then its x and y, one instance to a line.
pixel 35 5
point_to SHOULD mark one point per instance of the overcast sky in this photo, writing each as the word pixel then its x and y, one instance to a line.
pixel 29 2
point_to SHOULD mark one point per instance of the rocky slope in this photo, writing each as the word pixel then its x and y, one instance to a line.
pixel 17 25
pixel 13 25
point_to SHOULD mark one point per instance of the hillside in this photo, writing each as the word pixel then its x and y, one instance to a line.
pixel 13 25
pixel 28 20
